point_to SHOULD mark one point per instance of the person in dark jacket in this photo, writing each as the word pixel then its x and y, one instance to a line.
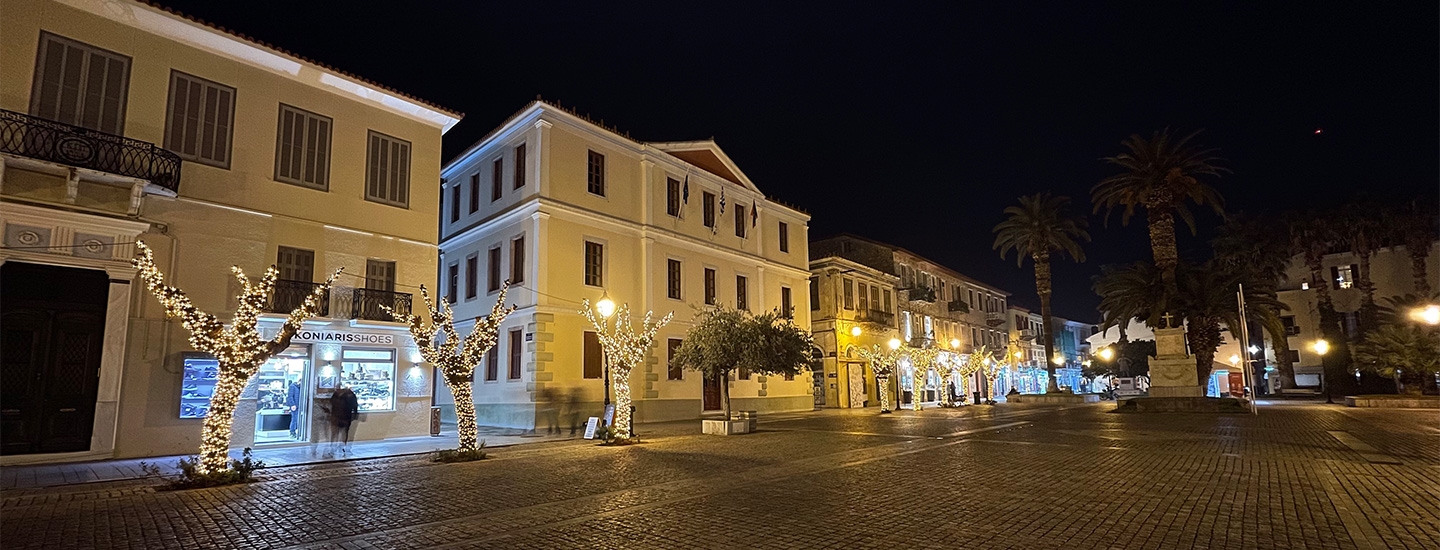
pixel 292 406
pixel 344 410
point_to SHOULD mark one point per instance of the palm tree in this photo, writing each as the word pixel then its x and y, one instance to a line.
pixel 1252 246
pixel 1415 227
pixel 1039 226
pixel 1361 230
pixel 1130 292
pixel 1160 175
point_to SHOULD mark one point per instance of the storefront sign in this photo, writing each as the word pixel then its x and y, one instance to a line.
pixel 1237 384
pixel 591 426
pixel 330 336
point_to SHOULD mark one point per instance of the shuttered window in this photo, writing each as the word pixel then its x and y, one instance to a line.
pixel 516 347
pixel 452 282
pixel 594 264
pixel 595 173
pixel 672 196
pixel 387 170
pixel 497 179
pixel 739 221
pixel 592 355
pixel 380 275
pixel 79 84
pixel 784 237
pixel 786 309
pixel 295 264
pixel 520 166
pixel 474 195
pixel 672 279
pixel 472 275
pixel 492 284
pixel 201 113
pixel 492 364
pixel 517 260
pixel 742 293
pixel 709 287
pixel 302 148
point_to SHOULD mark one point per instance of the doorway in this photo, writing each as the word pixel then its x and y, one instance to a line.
pixel 53 323
pixel 712 393
pixel 282 409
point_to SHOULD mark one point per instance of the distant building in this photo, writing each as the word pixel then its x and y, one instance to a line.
pixel 852 306
pixel 568 210
pixel 121 121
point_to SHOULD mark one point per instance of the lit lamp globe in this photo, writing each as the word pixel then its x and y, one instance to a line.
pixel 855 331
pixel 1429 315
pixel 606 307
pixel 954 343
pixel 1322 347
pixel 1107 354
pixel 1058 360
pixel 1234 359
pixel 894 343
pixel 1019 355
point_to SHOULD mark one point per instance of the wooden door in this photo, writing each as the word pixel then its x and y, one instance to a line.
pixel 712 393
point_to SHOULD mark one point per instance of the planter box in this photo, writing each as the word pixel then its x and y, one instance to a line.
pixel 725 427
pixel 1054 398
pixel 1393 401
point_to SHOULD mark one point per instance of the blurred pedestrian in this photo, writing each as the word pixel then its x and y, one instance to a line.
pixel 572 408
pixel 548 402
pixel 344 409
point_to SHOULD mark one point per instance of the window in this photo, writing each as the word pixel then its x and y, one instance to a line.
pixel 887 300
pixel 1294 355
pixel 675 372
pixel 905 328
pixel 743 373
pixel 1344 275
pixel 497 177
pixel 596 173
pixel 874 296
pixel 520 166
pixel 474 196
pixel 784 237
pixel 672 197
pixel 380 275
pixel 371 374
pixel 814 293
pixel 849 294
pixel 672 279
pixel 1291 329
pixel 80 85
pixel 785 308
pixel 295 264
pixel 472 275
pixel 864 296
pixel 452 283
pixel 708 200
pixel 940 289
pixel 198 125
pixel 739 221
pixel 594 264
pixel 709 287
pixel 492 365
pixel 492 282
pixel 387 170
pixel 455 198
pixel 517 260
pixel 592 355
pixel 742 293
pixel 516 348
pixel 302 148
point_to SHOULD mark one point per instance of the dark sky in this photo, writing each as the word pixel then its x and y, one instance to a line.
pixel 917 125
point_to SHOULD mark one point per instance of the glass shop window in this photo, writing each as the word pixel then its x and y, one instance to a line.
pixel 370 373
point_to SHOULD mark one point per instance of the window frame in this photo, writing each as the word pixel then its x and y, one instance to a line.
pixel 711 293
pixel 472 277
pixel 707 200
pixel 38 82
pixel 493 270
pixel 452 283
pixel 516 356
pixel 672 372
pixel 600 268
pixel 497 178
pixel 455 204
pixel 672 196
pixel 520 152
pixel 474 195
pixel 329 137
pixel 370 155
pixel 674 279
pixel 740 228
pixel 742 292
pixel 171 141
pixel 785 237
pixel 787 303
pixel 595 172
pixel 517 259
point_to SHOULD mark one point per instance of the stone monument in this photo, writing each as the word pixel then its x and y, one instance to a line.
pixel 1172 371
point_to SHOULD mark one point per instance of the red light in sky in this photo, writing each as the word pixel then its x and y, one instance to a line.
pixel 1319 130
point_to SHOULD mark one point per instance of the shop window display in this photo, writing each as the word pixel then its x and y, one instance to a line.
pixel 371 375
pixel 200 373
pixel 281 401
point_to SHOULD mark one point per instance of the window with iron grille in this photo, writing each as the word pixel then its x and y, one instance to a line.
pixel 302 148
pixel 520 166
pixel 709 287
pixel 595 173
pixel 295 264
pixel 594 264
pixel 516 347
pixel 200 119
pixel 80 85
pixel 517 260
pixel 672 279
pixel 784 237
pixel 387 170
pixel 492 284
pixel 672 196
pixel 742 293
pixel 497 175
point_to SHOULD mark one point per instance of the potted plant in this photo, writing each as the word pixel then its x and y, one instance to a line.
pixel 723 339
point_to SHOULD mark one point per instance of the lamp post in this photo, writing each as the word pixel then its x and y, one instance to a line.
pixel 605 307
pixel 1321 347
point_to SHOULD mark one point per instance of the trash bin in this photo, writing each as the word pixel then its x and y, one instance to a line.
pixel 749 418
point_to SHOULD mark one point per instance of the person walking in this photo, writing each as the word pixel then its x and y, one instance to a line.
pixel 549 403
pixel 572 408
pixel 344 409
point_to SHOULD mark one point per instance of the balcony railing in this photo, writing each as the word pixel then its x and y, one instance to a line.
pixel 994 318
pixel 41 139
pixel 365 304
pixel 920 294
pixel 958 305
pixel 291 294
pixel 876 316
pixel 1027 334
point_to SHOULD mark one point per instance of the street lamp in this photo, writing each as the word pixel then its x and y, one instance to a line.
pixel 1058 360
pixel 894 343
pixel 856 331
pixel 1429 315
pixel 605 307
pixel 1107 353
pixel 954 343
pixel 1321 347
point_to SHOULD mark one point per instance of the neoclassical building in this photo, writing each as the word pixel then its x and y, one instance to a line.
pixel 569 210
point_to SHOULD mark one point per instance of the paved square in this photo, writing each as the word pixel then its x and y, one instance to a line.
pixel 1296 476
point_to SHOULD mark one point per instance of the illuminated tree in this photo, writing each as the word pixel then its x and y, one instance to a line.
pixel 882 363
pixel 920 361
pixel 624 348
pixel 238 348
pixel 454 357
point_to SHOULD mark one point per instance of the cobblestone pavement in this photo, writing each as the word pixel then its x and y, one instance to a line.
pixel 1009 476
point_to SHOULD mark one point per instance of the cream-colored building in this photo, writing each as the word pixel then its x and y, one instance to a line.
pixel 122 121
pixel 569 210
pixel 852 305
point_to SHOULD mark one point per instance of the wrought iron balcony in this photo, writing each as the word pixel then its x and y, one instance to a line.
pixel 365 304
pixel 40 139
pixel 876 316
pixel 1027 334
pixel 959 305
pixel 289 295
pixel 995 318
pixel 920 294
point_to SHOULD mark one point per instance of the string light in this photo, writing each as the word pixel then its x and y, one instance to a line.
pixel 882 363
pixel 623 348
pixel 454 357
pixel 239 349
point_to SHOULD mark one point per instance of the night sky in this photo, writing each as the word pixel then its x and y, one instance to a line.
pixel 917 125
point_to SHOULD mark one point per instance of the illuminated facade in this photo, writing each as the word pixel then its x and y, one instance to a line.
pixel 124 121
pixel 568 210
pixel 852 307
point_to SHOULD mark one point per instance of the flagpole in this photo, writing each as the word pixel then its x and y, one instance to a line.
pixel 1245 349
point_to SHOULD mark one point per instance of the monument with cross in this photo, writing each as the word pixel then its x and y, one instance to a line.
pixel 1172 371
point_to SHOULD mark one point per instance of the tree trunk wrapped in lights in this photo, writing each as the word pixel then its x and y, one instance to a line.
pixel 624 348
pixel 454 357
pixel 921 360
pixel 238 348
pixel 882 363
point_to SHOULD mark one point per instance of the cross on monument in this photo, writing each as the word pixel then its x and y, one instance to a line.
pixel 1167 317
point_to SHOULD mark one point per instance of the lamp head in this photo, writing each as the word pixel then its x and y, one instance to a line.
pixel 1429 315
pixel 1322 347
pixel 1107 354
pixel 856 331
pixel 954 343
pixel 894 343
pixel 606 306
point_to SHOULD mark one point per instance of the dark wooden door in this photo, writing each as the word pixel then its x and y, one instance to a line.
pixel 712 393
pixel 50 364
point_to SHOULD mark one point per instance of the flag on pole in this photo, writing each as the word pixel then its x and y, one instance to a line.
pixel 754 213
pixel 685 192
pixel 722 201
